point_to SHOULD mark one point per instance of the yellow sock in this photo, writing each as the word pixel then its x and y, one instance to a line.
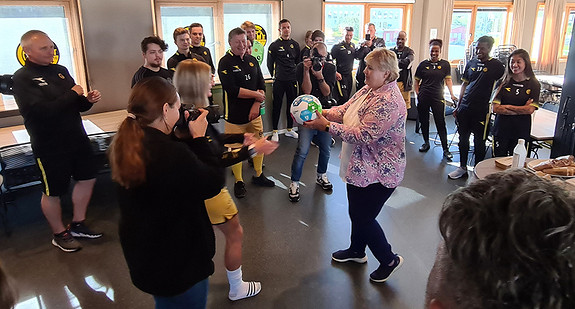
pixel 289 129
pixel 258 164
pixel 237 170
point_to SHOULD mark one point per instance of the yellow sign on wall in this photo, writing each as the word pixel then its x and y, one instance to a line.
pixel 21 55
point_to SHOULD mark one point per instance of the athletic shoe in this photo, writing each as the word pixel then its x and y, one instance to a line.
pixel 292 134
pixel 240 189
pixel 293 192
pixel 262 181
pixel 332 142
pixel 424 148
pixel 447 155
pixel 80 230
pixel 253 289
pixel 458 173
pixel 275 137
pixel 66 242
pixel 347 255
pixel 383 272
pixel 323 182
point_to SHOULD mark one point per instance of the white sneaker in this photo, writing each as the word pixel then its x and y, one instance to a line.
pixel 275 137
pixel 292 134
pixel 458 173
pixel 293 192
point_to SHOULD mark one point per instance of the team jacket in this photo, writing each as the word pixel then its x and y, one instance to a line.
pixel 283 56
pixel 344 54
pixel 51 109
pixel 204 52
pixel 177 58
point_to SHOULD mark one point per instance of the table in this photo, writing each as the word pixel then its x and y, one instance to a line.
pixel 488 167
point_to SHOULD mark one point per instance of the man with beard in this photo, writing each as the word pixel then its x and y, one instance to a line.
pixel 153 49
pixel 405 56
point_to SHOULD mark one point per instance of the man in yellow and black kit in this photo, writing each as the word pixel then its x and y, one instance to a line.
pixel 243 85
pixel 50 102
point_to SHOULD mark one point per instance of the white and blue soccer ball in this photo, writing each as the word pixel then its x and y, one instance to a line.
pixel 303 108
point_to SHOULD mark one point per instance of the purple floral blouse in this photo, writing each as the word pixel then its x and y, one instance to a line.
pixel 379 152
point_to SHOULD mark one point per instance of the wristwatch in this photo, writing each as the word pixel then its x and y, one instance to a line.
pixel 327 127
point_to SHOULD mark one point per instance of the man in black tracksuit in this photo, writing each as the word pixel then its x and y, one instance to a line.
pixel 283 55
pixel 344 54
pixel 362 51
pixel 183 42
pixel 50 102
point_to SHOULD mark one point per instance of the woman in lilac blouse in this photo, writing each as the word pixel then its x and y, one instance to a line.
pixel 372 127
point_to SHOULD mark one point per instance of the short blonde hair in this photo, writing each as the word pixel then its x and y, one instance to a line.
pixel 192 80
pixel 383 59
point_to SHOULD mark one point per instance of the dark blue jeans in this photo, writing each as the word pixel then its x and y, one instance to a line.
pixel 364 206
pixel 322 139
pixel 194 298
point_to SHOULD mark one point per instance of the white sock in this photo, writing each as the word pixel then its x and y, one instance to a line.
pixel 235 278
pixel 240 289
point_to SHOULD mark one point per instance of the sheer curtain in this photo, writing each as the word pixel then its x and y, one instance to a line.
pixel 548 59
pixel 519 9
pixel 446 27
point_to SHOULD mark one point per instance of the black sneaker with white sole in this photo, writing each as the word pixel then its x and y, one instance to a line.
pixel 66 242
pixel 349 255
pixel 383 272
pixel 293 192
pixel 80 230
pixel 323 182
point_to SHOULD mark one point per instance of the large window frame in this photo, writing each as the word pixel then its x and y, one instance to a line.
pixel 474 6
pixel 367 7
pixel 217 6
pixel 569 9
pixel 537 32
pixel 75 33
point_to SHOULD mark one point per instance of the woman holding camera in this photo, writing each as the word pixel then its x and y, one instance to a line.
pixel 372 128
pixel 192 79
pixel 165 232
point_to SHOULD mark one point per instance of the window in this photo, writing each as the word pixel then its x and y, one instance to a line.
pixel 535 45
pixel 58 19
pixel 233 13
pixel 471 22
pixel 567 31
pixel 388 19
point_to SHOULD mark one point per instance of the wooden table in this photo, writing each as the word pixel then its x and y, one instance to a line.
pixel 488 167
pixel 108 122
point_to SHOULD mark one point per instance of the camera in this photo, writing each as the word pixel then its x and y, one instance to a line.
pixel 6 84
pixel 316 60
pixel 367 37
pixel 194 113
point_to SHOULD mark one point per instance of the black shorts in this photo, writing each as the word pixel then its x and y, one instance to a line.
pixel 56 170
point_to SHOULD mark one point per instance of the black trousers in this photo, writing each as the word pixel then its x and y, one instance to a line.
pixel 281 87
pixel 343 88
pixel 467 123
pixel 438 110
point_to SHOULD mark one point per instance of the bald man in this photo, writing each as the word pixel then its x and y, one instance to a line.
pixel 405 57
pixel 50 102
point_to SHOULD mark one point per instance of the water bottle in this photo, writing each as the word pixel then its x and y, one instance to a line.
pixel 263 108
pixel 519 154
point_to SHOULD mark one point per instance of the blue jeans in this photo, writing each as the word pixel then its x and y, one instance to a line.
pixel 321 139
pixel 194 298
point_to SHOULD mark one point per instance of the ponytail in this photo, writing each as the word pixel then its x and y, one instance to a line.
pixel 127 155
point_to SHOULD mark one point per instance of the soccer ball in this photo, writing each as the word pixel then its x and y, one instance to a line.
pixel 303 108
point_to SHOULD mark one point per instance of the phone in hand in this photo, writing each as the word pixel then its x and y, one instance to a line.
pixel 367 37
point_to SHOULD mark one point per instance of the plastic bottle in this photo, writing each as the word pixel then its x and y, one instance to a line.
pixel 263 108
pixel 519 154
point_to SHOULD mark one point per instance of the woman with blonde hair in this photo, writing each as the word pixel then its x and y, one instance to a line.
pixel 192 79
pixel 165 232
pixel 372 128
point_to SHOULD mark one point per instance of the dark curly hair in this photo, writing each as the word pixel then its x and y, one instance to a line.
pixel 511 240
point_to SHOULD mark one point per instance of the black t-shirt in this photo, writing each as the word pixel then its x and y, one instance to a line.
pixel 343 54
pixel 432 76
pixel 236 73
pixel 283 56
pixel 481 77
pixel 204 52
pixel 144 72
pixel 517 94
pixel 328 73
pixel 177 58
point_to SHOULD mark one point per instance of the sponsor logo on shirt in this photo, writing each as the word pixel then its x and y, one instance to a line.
pixel 236 69
pixel 40 80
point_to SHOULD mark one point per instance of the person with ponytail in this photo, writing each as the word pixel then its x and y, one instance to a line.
pixel 165 232
pixel 193 81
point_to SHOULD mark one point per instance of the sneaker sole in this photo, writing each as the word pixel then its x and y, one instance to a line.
pixel 462 175
pixel 355 260
pixel 393 271
pixel 64 249
pixel 254 289
pixel 326 188
pixel 294 199
pixel 82 235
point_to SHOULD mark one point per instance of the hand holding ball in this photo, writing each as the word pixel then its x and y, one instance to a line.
pixel 303 108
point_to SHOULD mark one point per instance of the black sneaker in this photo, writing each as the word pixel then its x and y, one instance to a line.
pixel 240 189
pixel 424 148
pixel 80 230
pixel 347 255
pixel 383 272
pixel 324 183
pixel 262 181
pixel 66 242
pixel 293 192
pixel 447 155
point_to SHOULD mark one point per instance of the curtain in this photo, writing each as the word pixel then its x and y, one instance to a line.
pixel 445 30
pixel 519 10
pixel 548 60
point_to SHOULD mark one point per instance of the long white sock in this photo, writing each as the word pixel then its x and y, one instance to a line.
pixel 240 289
pixel 235 278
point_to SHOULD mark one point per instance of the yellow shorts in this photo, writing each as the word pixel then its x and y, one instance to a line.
pixel 221 207
pixel 255 126
pixel 406 95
